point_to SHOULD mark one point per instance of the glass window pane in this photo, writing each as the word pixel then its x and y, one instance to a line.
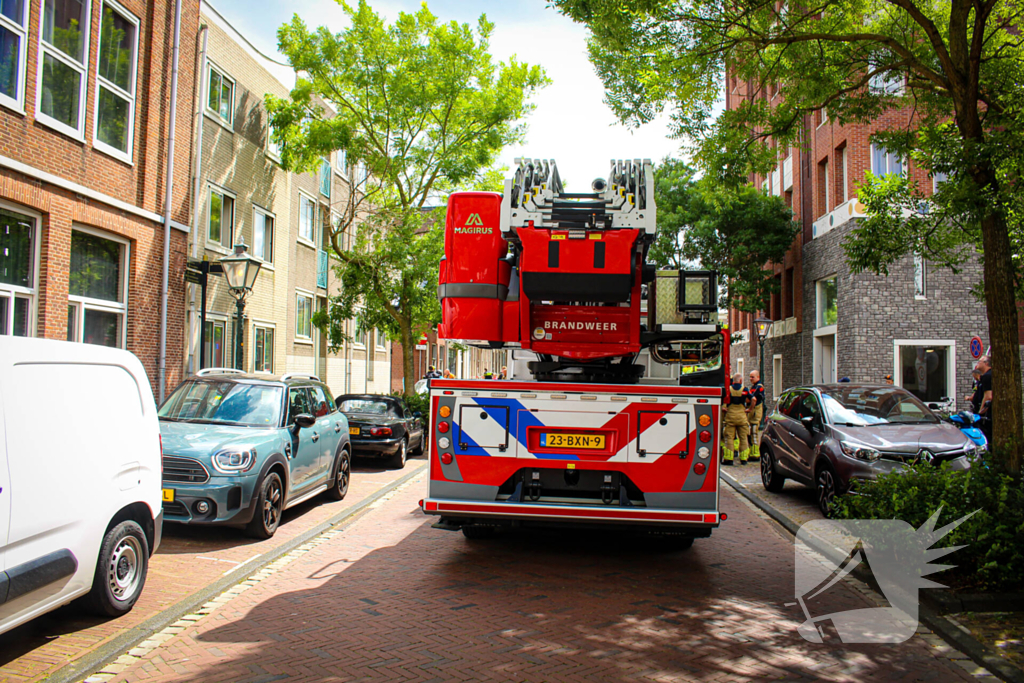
pixel 225 100
pixel 228 221
pixel 13 10
pixel 102 328
pixel 214 98
pixel 21 316
pixel 923 371
pixel 10 61
pixel 62 26
pixel 72 323
pixel 117 42
pixel 16 249
pixel 828 302
pixel 215 213
pixel 218 345
pixel 112 126
pixel 5 314
pixel 95 268
pixel 61 88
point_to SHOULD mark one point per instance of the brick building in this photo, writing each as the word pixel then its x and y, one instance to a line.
pixel 84 117
pixel 915 324
pixel 464 362
pixel 283 218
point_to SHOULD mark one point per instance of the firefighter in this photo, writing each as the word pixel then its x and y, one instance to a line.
pixel 755 411
pixel 735 421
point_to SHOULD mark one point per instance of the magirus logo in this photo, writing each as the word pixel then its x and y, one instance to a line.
pixel 474 219
pixel 897 556
pixel 474 226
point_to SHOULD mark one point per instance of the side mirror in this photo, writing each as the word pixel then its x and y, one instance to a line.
pixel 810 422
pixel 417 414
pixel 304 420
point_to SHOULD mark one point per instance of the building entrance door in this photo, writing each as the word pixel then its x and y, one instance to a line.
pixel 825 359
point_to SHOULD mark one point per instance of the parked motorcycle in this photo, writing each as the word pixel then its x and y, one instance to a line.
pixel 969 423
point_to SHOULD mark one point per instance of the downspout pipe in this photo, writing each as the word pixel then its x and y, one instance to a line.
pixel 197 187
pixel 168 194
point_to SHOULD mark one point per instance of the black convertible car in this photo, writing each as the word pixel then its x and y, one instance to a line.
pixel 382 426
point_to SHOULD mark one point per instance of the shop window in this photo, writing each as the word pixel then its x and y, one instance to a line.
pixel 925 369
pixel 97 285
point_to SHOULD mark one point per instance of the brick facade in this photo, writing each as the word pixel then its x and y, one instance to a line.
pixel 57 178
pixel 877 317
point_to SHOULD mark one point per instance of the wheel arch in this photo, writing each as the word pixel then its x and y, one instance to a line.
pixel 141 514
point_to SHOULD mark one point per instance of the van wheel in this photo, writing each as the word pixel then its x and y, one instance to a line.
pixel 341 477
pixel 268 508
pixel 398 460
pixel 120 571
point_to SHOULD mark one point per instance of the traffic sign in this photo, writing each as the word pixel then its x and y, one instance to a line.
pixel 976 348
pixel 196 277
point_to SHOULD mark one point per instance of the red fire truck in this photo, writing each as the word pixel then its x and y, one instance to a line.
pixel 586 438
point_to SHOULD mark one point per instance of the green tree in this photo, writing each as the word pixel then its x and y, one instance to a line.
pixel 958 64
pixel 734 230
pixel 420 108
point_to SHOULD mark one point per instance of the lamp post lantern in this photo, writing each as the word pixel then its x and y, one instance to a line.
pixel 240 270
pixel 763 326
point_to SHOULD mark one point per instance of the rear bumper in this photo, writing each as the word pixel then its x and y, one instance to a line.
pixel 696 520
pixel 382 448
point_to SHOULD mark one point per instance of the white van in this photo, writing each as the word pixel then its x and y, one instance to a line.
pixel 80 497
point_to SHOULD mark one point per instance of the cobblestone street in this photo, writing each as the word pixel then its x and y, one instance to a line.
pixel 390 598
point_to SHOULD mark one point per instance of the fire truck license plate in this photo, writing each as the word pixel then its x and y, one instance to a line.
pixel 548 440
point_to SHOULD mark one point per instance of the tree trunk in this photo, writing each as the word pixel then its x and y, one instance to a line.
pixel 408 349
pixel 1007 415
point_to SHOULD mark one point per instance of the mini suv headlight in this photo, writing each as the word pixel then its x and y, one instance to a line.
pixel 234 461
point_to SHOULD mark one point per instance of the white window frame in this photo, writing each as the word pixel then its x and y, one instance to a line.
pixel 938 178
pixel 128 155
pixel 846 173
pixel 17 291
pixel 273 150
pixel 828 189
pixel 267 263
pixel 272 328
pixel 341 163
pixel 777 367
pixel 17 103
pixel 889 159
pixel 219 246
pixel 325 172
pixel 920 293
pixel 356 327
pixel 379 339
pixel 819 301
pixel 824 118
pixel 886 83
pixel 215 114
pixel 304 294
pixel 897 376
pixel 83 303
pixel 44 48
pixel 302 239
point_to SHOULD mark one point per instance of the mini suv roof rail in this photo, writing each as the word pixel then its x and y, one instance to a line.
pixel 219 371
pixel 299 375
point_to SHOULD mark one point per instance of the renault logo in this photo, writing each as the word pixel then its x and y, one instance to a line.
pixel 926 455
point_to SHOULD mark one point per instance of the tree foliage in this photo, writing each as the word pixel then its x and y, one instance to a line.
pixel 421 109
pixel 733 230
pixel 948 77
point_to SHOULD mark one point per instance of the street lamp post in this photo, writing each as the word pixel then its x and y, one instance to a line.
pixel 763 325
pixel 240 270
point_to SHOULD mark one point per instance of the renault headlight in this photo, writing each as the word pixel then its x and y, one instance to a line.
pixel 234 460
pixel 860 452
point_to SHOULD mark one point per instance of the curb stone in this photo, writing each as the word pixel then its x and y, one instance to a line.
pixel 949 631
pixel 116 652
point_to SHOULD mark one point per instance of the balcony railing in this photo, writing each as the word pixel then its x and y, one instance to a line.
pixel 322 263
pixel 840 215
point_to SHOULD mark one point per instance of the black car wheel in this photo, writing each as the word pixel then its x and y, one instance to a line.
pixel 342 476
pixel 419 445
pixel 120 571
pixel 269 507
pixel 770 478
pixel 398 461
pixel 827 488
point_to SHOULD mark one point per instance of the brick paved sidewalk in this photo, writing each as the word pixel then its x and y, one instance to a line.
pixel 189 559
pixel 390 599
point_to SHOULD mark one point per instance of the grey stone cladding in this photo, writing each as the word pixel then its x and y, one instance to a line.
pixel 874 311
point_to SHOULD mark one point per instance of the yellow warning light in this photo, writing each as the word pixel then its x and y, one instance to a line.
pixel 446 411
pixel 704 420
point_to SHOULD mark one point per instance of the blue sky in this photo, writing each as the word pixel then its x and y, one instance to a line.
pixel 571 123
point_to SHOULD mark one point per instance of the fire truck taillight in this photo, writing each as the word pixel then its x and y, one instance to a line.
pixel 446 458
pixel 705 436
pixel 699 468
pixel 704 420
pixel 442 427
pixel 445 411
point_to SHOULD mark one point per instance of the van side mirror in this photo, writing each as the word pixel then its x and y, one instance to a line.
pixel 304 420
